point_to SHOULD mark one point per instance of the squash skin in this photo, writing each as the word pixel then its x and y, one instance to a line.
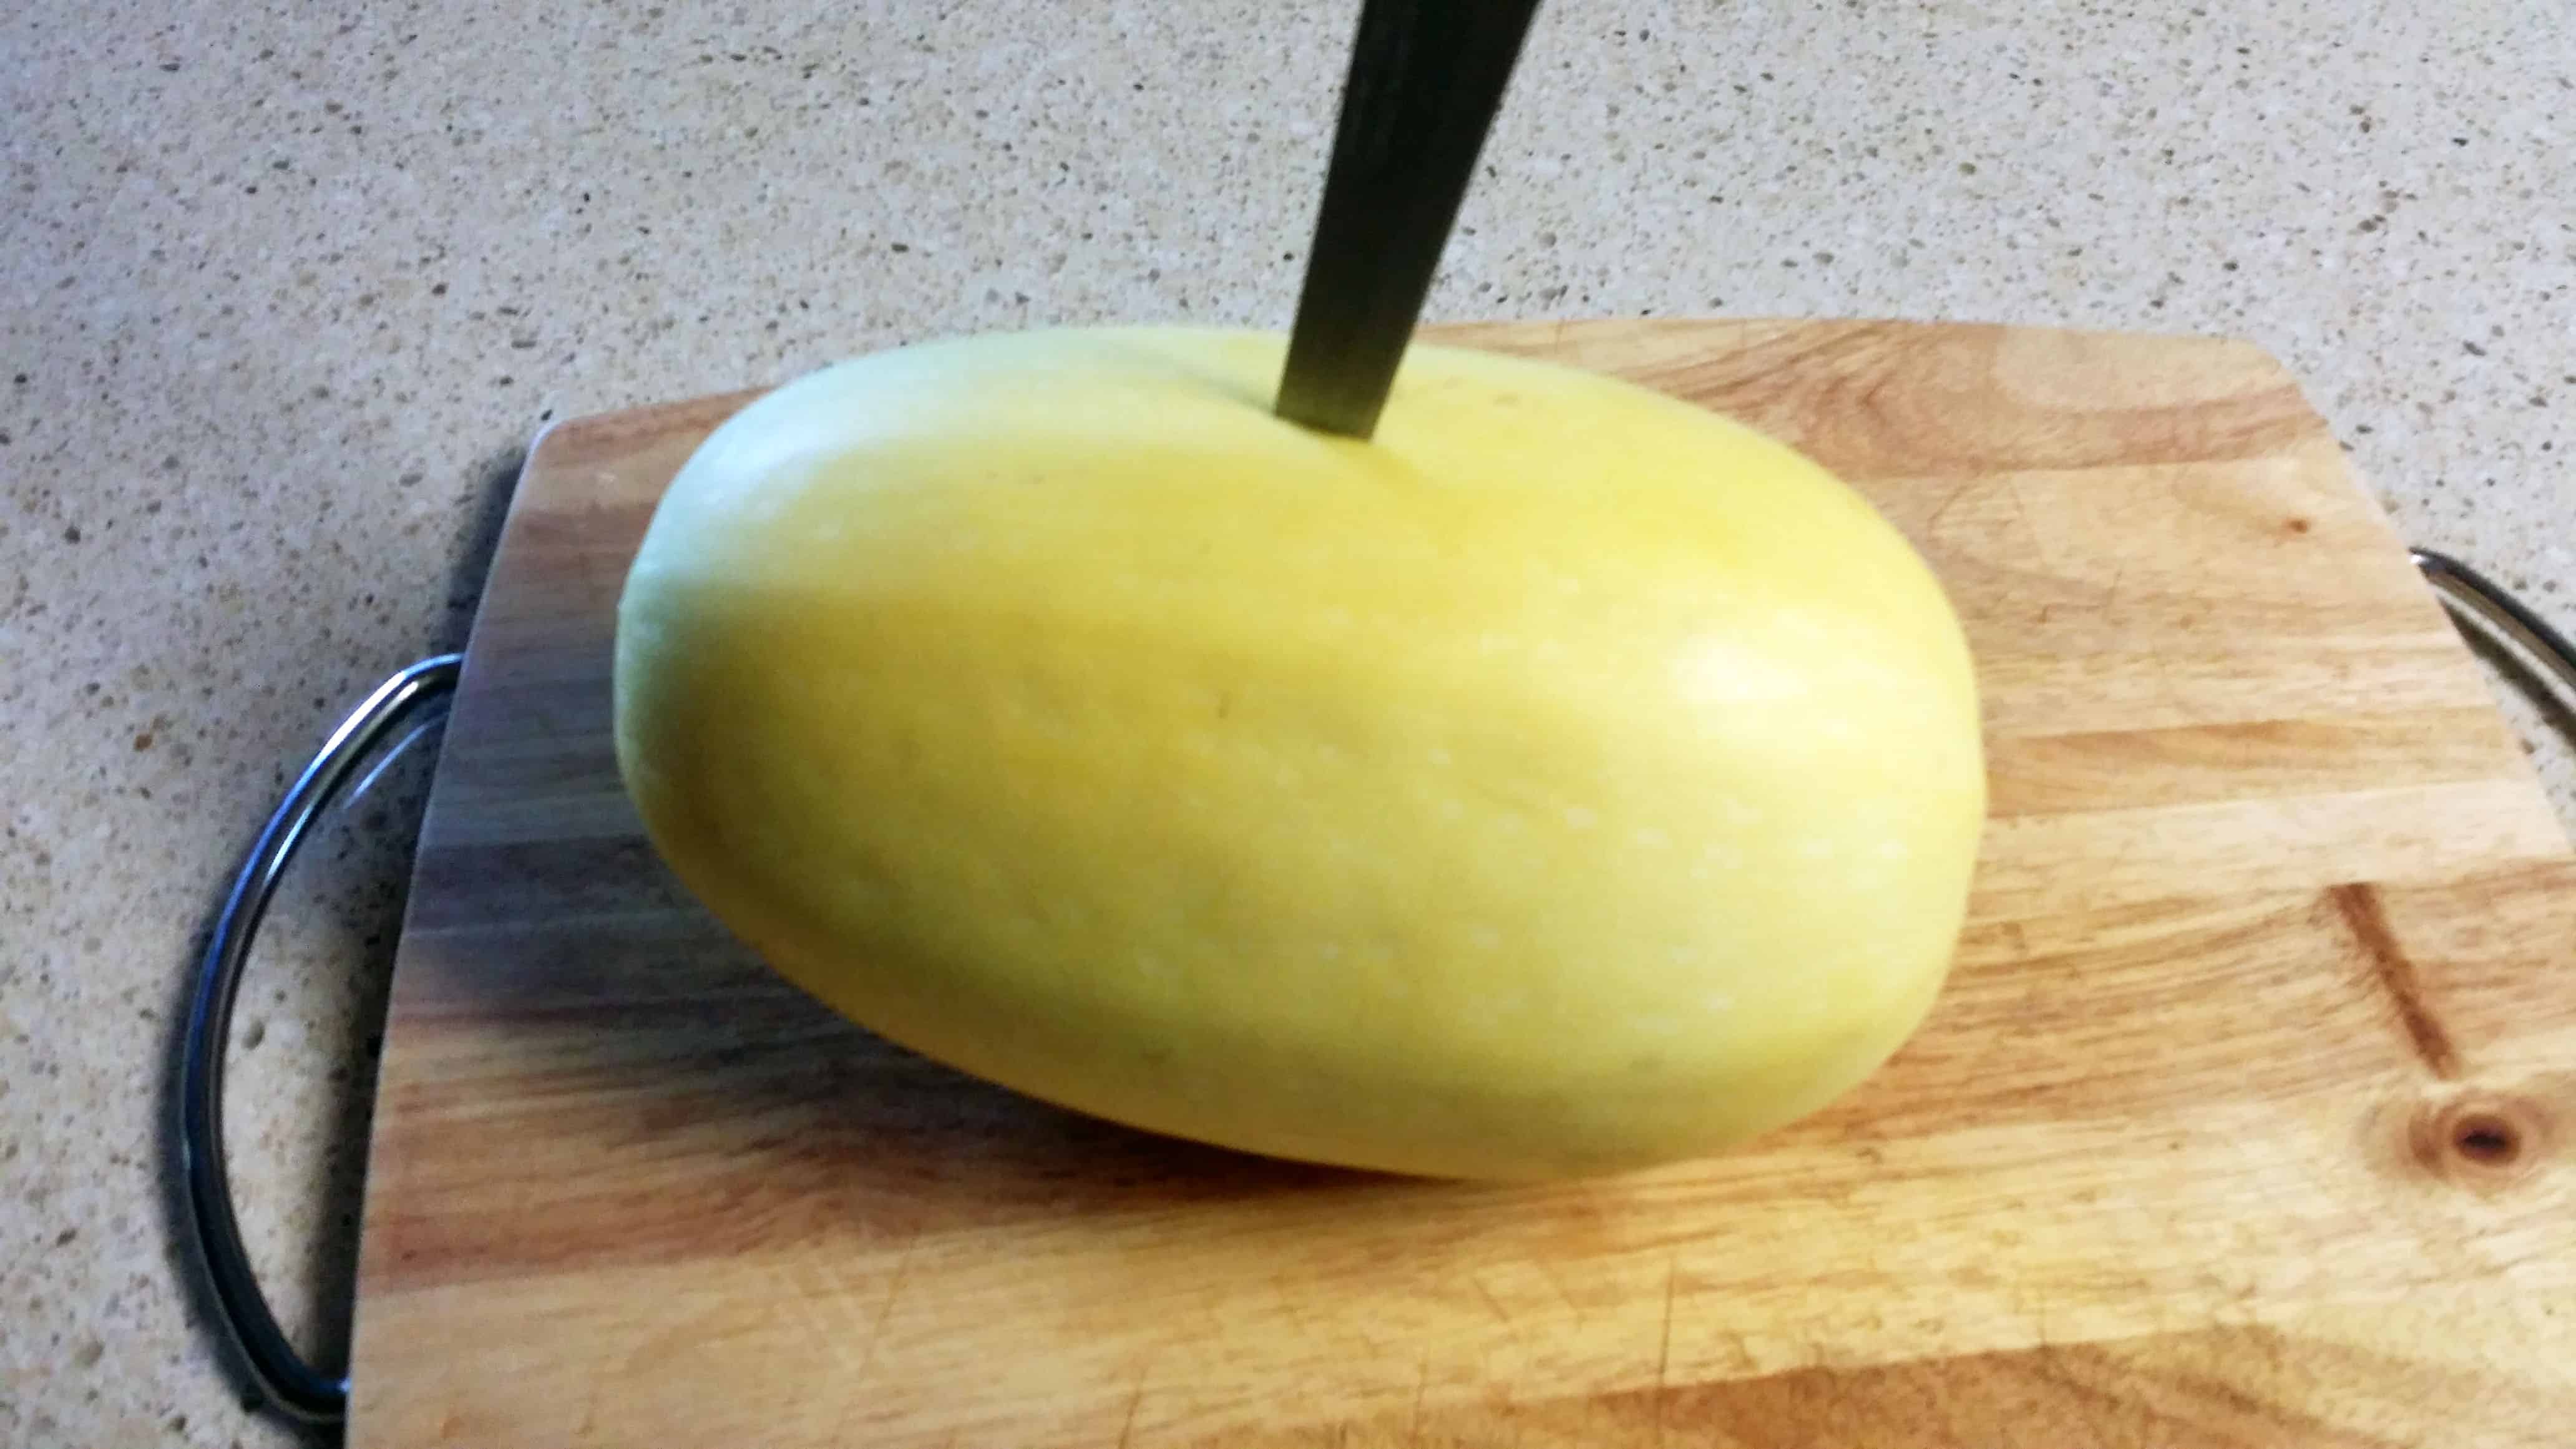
pixel 1566 780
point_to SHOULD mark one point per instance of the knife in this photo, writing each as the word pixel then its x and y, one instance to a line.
pixel 1426 78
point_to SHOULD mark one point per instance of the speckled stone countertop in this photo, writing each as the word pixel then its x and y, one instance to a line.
pixel 285 288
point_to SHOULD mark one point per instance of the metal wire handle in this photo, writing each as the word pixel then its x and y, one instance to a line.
pixel 290 1384
pixel 2478 597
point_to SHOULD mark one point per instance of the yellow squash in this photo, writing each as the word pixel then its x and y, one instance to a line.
pixel 1566 780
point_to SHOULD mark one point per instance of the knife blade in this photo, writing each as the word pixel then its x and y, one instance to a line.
pixel 1426 78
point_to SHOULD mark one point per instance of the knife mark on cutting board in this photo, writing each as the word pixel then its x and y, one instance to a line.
pixel 2367 919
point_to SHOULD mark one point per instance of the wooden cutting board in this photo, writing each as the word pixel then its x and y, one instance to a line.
pixel 2246 1117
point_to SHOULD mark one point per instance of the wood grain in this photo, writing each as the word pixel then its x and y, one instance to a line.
pixel 2245 1119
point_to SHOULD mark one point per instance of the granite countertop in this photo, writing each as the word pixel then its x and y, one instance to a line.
pixel 287 288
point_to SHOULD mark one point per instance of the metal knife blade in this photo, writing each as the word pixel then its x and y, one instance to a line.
pixel 1426 78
